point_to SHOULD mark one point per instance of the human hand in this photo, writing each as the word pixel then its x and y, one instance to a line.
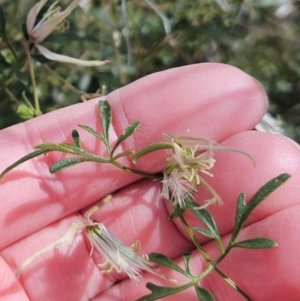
pixel 208 100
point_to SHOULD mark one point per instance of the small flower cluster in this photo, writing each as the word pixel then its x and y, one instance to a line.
pixel 182 174
pixel 191 157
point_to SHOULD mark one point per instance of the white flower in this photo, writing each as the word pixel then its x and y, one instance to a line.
pixel 191 157
pixel 117 256
pixel 51 20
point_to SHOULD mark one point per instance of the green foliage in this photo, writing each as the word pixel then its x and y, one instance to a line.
pixel 76 149
pixel 142 37
pixel 245 209
pixel 242 214
pixel 2 22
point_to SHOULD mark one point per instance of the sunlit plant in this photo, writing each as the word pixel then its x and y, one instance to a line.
pixel 189 157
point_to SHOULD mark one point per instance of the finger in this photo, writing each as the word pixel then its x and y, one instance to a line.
pixel 10 288
pixel 140 215
pixel 179 101
pixel 271 274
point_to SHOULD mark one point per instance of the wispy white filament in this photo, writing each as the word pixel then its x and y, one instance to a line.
pixel 117 256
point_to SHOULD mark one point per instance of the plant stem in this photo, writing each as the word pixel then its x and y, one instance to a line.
pixel 10 48
pixel 137 172
pixel 212 265
pixel 32 77
pixel 69 85
pixel 232 283
pixel 10 94
pixel 195 241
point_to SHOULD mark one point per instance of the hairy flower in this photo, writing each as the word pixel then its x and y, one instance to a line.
pixel 182 175
pixel 191 157
pixel 117 256
pixel 53 19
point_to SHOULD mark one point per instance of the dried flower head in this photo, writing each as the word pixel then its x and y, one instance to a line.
pixel 117 256
pixel 191 157
pixel 53 19
pixel 182 174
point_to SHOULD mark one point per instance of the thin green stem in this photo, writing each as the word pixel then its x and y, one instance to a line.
pixel 223 255
pixel 11 95
pixel 232 283
pixel 137 172
pixel 194 239
pixel 10 48
pixel 69 85
pixel 32 77
pixel 212 265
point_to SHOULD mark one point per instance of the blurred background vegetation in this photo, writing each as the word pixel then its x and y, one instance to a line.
pixel 144 36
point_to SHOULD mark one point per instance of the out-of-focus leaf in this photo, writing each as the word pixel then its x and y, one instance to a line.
pixel 25 112
pixel 22 77
pixel 41 58
pixel 3 61
pixel 2 22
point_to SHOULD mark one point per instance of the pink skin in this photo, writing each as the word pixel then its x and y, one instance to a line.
pixel 208 100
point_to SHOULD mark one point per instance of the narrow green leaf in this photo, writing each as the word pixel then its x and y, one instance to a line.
pixel 22 160
pixel 206 218
pixel 72 149
pixel 204 294
pixel 151 148
pixel 244 210
pixel 106 116
pixel 62 164
pixel 2 22
pixel 186 259
pixel 61 147
pixel 130 130
pixel 165 261
pixel 159 292
pixel 204 232
pixel 265 191
pixel 22 77
pixel 92 131
pixel 76 138
pixel 256 243
pixel 240 210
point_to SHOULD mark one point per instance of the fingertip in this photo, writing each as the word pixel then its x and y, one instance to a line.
pixel 211 100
